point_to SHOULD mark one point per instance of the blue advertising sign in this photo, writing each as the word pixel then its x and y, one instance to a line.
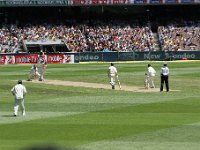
pixel 156 1
pixel 110 56
pixel 187 1
pixel 140 2
pixel 126 56
pixel 87 57
pixel 172 2
pixel 152 56
pixel 136 56
pixel 186 55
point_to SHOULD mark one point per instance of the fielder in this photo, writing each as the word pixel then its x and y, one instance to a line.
pixel 33 73
pixel 19 91
pixel 112 74
pixel 150 76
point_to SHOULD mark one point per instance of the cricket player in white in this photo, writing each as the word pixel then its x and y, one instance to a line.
pixel 33 73
pixel 151 74
pixel 19 91
pixel 146 81
pixel 112 74
pixel 42 69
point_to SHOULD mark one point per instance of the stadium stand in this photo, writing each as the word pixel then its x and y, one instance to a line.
pixel 94 29
pixel 174 38
pixel 81 38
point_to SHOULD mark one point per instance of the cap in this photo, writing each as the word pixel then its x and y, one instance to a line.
pixel 149 65
pixel 112 64
pixel 164 64
pixel 19 81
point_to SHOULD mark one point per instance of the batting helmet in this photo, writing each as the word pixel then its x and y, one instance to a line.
pixel 19 81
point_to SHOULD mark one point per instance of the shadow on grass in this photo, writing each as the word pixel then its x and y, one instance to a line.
pixel 8 116
pixel 48 147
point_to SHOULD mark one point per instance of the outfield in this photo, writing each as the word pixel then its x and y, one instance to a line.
pixel 103 119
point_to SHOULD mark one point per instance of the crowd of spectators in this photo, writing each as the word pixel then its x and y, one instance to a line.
pixel 82 37
pixel 9 43
pixel 175 37
pixel 101 36
pixel 109 37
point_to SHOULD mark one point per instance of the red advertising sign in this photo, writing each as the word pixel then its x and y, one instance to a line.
pixel 59 58
pixel 27 58
pixel 79 2
pixel 93 2
pixel 10 59
pixel 103 2
pixel 2 59
pixel 54 58
pixel 115 2
pixel 68 59
pixel 33 59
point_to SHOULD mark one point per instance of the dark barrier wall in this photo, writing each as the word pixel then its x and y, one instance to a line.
pixel 136 56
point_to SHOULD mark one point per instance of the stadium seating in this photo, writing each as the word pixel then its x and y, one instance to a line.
pixel 113 36
pixel 174 38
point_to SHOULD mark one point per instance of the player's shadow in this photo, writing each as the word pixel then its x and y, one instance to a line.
pixel 8 116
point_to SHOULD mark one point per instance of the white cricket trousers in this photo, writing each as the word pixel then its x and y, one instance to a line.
pixel 16 106
pixel 112 79
pixel 33 75
pixel 151 81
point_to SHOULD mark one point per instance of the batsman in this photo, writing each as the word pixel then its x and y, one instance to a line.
pixel 42 68
pixel 42 65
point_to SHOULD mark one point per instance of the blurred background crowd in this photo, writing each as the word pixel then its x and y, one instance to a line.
pixel 152 29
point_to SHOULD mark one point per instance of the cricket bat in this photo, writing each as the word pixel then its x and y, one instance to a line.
pixel 119 82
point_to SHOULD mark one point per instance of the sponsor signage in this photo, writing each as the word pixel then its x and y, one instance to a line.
pixel 10 59
pixel 156 1
pixel 86 57
pixel 33 58
pixel 116 2
pixel 97 57
pixel 172 1
pixel 68 59
pixel 54 58
pixel 188 1
pixel 140 2
pixel 25 59
pixel 59 58
pixel 6 3
pixel 2 59
pixel 97 2
pixel 33 2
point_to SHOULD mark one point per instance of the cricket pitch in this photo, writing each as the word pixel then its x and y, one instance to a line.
pixel 97 86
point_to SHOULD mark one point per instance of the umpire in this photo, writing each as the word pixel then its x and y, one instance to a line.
pixel 164 72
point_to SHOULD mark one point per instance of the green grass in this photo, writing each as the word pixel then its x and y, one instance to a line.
pixel 94 119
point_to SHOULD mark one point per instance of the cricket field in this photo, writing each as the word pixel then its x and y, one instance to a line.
pixel 86 114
